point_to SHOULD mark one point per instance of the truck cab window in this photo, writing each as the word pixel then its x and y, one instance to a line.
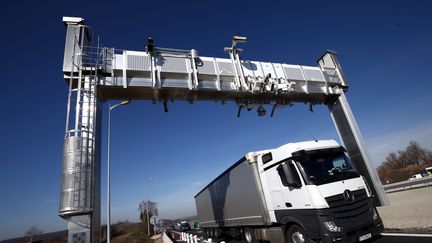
pixel 284 177
pixel 326 167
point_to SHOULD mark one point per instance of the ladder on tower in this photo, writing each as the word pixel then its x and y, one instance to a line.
pixel 79 158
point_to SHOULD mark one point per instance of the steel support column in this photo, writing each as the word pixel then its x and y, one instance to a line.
pixel 348 129
pixel 352 140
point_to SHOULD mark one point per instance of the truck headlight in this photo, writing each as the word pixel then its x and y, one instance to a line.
pixel 332 227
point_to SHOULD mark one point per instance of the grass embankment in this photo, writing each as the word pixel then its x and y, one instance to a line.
pixel 123 232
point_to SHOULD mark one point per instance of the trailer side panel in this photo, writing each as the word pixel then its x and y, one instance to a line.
pixel 232 199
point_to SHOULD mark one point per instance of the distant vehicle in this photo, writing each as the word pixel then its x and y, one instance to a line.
pixel 416 176
pixel 184 226
pixel 298 192
pixel 429 171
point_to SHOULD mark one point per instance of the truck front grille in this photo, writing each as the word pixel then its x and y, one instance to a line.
pixel 351 208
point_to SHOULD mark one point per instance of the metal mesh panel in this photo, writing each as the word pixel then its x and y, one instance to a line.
pixel 249 68
pixel 67 181
pixel 65 201
pixel 138 63
pixel 316 88
pixel 227 85
pixel 172 64
pixel 313 75
pixel 268 68
pixel 332 75
pixel 226 68
pixel 174 83
pixel 207 85
pixel 279 70
pixel 207 68
pixel 294 73
pixel 76 188
pixel 300 86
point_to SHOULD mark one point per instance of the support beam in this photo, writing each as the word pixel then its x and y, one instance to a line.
pixel 352 140
pixel 348 129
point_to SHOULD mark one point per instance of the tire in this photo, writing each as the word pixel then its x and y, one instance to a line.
pixel 235 233
pixel 217 233
pixel 296 234
pixel 248 235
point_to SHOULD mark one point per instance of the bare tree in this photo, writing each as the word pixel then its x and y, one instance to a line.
pixel 152 211
pixel 397 167
pixel 32 232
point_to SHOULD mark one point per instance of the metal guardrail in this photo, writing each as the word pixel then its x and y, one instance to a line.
pixel 409 184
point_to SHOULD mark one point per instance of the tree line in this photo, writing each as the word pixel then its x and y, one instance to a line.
pixel 404 163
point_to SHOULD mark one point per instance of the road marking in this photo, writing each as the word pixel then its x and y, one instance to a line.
pixel 410 235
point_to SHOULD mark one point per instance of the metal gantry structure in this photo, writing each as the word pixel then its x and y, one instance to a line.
pixel 96 73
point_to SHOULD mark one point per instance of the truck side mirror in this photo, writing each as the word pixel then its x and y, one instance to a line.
pixel 289 175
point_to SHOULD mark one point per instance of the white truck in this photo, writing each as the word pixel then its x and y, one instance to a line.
pixel 298 192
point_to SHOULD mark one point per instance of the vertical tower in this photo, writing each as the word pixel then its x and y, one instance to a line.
pixel 80 185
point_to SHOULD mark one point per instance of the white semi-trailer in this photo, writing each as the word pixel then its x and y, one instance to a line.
pixel 297 192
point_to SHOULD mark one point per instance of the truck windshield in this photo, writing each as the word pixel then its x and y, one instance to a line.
pixel 325 167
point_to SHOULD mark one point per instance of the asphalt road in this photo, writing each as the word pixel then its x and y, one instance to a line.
pixel 383 239
pixel 402 239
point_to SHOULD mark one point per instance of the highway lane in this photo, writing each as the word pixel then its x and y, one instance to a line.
pixel 402 238
pixel 384 239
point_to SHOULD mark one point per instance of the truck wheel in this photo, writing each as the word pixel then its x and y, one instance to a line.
pixel 218 233
pixel 235 233
pixel 248 235
pixel 296 234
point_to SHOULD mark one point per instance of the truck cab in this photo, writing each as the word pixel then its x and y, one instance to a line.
pixel 298 192
pixel 314 192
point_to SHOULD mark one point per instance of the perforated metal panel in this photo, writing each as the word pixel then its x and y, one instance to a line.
pixel 207 85
pixel 226 68
pixel 268 69
pixel 207 68
pixel 278 70
pixel 174 83
pixel 77 170
pixel 313 74
pixel 171 64
pixel 293 72
pixel 138 63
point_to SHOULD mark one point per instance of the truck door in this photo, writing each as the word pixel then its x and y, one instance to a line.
pixel 293 189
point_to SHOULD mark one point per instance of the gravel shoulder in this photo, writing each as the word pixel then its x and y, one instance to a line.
pixel 409 211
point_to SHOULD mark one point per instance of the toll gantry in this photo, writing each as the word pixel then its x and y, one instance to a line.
pixel 95 74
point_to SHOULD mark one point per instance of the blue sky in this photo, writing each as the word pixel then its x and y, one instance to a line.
pixel 384 48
